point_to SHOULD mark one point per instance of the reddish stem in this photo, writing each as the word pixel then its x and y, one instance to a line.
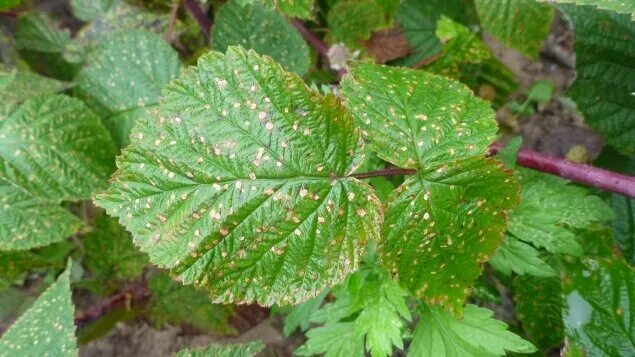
pixel 200 16
pixel 135 294
pixel 318 45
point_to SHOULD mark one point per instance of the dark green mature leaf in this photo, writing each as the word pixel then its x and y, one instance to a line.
pixel 46 329
pixel 176 303
pixel 521 258
pixel 125 76
pixel 624 225
pixel 238 183
pixel 539 309
pixel 249 349
pixel 520 24
pixel 605 62
pixel 551 210
pixel 351 21
pixel 438 333
pixel 449 217
pixel 419 21
pixel 600 302
pixel 620 6
pixel 256 27
pixel 110 253
pixel 91 10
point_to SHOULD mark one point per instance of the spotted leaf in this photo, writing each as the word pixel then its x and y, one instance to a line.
pixel 46 329
pixel 238 183
pixel 248 349
pixel 448 218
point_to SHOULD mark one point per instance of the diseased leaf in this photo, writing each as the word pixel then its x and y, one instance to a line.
pixel 91 10
pixel 521 258
pixel 256 27
pixel 125 76
pixel 110 253
pixel 440 334
pixel 520 24
pixel 18 86
pixel 539 309
pixel 450 216
pixel 551 210
pixel 46 328
pixel 176 303
pixel 248 349
pixel 605 62
pixel 238 183
pixel 620 6
pixel 599 306
pixel 294 8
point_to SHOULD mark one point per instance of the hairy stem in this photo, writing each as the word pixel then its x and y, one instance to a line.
pixel 200 16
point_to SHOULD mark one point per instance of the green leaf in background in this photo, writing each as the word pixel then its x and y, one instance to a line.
pixel 438 333
pixel 125 76
pixel 605 62
pixel 46 328
pixel 539 309
pixel 256 27
pixel 449 217
pixel 302 9
pixel 176 303
pixel 624 225
pixel 599 299
pixel 91 10
pixel 9 4
pixel 620 6
pixel 519 24
pixel 551 210
pixel 239 183
pixel 18 86
pixel 419 21
pixel 521 258
pixel 110 253
pixel 13 265
pixel 299 316
pixel 370 310
pixel 248 349
pixel 351 21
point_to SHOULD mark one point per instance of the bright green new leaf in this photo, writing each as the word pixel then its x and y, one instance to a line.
pixel 605 62
pixel 440 334
pixel 110 253
pixel 599 299
pixel 539 309
pixel 91 10
pixel 125 76
pixel 249 349
pixel 521 258
pixel 520 24
pixel 239 183
pixel 551 210
pixel 620 6
pixel 256 27
pixel 335 339
pixel 351 21
pixel 45 329
pixel 176 303
pixel 444 221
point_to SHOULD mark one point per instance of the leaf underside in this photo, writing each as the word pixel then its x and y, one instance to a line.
pixel 238 183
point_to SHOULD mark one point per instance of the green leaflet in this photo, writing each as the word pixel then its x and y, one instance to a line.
pixel 521 258
pixel 620 6
pixel 91 10
pixel 176 303
pixel 110 253
pixel 351 21
pixel 18 86
pixel 520 24
pixel 44 159
pixel 300 315
pixel 551 210
pixel 125 76
pixel 605 62
pixel 599 306
pixel 370 310
pixel 256 27
pixel 248 349
pixel 440 334
pixel 419 21
pixel 449 217
pixel 238 183
pixel 539 309
pixel 45 329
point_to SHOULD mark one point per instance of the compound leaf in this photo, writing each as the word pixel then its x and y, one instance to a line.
pixel 450 216
pixel 605 62
pixel 125 76
pixel 599 306
pixel 45 329
pixel 440 334
pixel 238 183
pixel 520 24
pixel 256 27
pixel 249 349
